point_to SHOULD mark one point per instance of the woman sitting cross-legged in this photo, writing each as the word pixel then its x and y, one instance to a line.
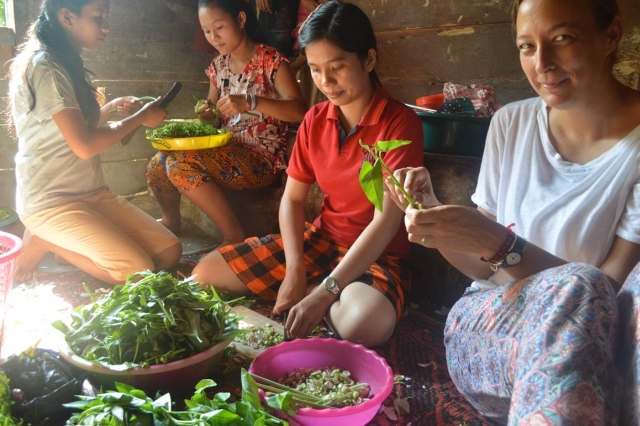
pixel 535 340
pixel 357 253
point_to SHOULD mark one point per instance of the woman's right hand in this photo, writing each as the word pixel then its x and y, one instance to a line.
pixel 416 181
pixel 292 290
pixel 152 114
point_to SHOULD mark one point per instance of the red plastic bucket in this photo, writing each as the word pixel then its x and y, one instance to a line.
pixel 10 248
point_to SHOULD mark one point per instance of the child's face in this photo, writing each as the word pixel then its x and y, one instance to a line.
pixel 222 30
pixel 89 29
pixel 342 76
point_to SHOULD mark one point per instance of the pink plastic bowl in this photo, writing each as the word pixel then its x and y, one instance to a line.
pixel 364 364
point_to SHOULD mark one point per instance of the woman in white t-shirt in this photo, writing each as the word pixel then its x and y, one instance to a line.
pixel 61 195
pixel 555 234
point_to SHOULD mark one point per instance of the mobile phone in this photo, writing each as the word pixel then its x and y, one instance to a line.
pixel 171 94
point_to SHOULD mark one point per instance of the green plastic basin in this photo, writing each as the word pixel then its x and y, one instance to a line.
pixel 454 135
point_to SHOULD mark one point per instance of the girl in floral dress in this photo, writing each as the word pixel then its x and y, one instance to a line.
pixel 255 91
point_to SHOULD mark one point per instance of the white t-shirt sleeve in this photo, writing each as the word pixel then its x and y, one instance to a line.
pixel 629 227
pixel 53 88
pixel 486 194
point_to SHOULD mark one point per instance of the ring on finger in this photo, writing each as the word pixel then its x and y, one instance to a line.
pixel 422 241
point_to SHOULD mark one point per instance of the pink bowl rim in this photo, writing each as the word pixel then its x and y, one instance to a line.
pixel 74 359
pixel 377 399
pixel 14 251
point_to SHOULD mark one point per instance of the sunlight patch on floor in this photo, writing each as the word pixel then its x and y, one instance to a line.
pixel 32 309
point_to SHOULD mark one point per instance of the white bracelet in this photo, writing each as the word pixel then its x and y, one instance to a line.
pixel 115 125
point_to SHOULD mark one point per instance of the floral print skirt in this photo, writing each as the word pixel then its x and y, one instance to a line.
pixel 539 350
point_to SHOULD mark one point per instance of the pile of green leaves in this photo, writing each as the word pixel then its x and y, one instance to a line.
pixel 130 406
pixel 183 129
pixel 152 319
pixel 5 402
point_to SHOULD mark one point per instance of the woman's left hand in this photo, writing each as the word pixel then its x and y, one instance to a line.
pixel 232 104
pixel 455 228
pixel 308 314
pixel 124 106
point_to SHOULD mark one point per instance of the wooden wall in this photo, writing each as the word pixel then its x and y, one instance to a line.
pixel 150 46
pixel 426 43
pixel 422 43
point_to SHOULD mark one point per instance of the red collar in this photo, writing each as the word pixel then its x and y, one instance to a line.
pixel 374 111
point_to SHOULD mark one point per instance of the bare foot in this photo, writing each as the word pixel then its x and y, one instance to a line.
pixel 171 225
pixel 33 250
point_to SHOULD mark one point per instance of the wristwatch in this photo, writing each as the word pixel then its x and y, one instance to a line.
pixel 331 284
pixel 514 255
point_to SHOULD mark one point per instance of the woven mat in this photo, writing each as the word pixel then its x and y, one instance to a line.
pixel 416 351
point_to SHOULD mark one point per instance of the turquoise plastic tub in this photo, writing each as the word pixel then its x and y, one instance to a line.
pixel 454 135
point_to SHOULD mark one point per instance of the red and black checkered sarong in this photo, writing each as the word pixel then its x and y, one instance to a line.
pixel 259 262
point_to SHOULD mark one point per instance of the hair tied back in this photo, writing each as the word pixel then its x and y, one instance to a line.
pixel 309 17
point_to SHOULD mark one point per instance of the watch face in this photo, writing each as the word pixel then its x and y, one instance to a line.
pixel 513 259
pixel 331 284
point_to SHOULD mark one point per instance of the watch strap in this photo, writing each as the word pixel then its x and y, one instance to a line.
pixel 518 247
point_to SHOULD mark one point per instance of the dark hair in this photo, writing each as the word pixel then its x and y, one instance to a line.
pixel 344 25
pixel 47 35
pixel 603 11
pixel 233 8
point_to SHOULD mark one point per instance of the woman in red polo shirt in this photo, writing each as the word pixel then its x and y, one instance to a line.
pixel 355 253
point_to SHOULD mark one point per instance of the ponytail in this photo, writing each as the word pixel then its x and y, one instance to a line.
pixel 47 35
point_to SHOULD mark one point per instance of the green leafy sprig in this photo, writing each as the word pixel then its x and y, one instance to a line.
pixel 201 102
pixel 6 418
pixel 131 406
pixel 371 176
pixel 152 319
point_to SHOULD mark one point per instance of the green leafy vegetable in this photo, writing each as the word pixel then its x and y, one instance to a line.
pixel 152 319
pixel 183 129
pixel 201 102
pixel 130 406
pixel 5 402
pixel 371 176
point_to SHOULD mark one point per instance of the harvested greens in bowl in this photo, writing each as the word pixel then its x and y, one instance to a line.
pixel 153 318
pixel 183 129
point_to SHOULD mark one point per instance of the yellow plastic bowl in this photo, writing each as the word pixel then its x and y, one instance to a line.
pixel 199 142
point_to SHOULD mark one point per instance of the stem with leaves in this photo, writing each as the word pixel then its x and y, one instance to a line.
pixel 371 177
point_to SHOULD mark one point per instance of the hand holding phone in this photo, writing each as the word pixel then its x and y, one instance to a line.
pixel 171 94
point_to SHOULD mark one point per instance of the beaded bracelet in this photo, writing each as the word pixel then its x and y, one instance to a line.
pixel 506 247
